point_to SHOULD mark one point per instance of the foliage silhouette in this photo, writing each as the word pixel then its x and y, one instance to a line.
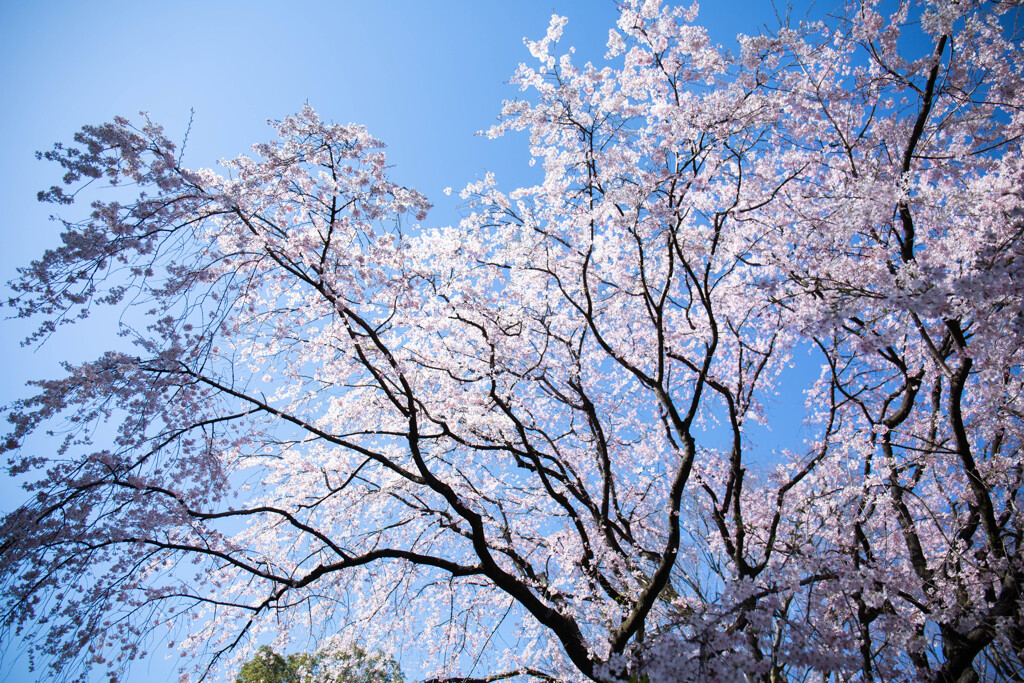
pixel 351 665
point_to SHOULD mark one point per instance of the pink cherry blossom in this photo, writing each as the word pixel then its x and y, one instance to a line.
pixel 341 419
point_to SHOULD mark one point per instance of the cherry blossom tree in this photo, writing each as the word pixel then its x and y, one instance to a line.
pixel 543 421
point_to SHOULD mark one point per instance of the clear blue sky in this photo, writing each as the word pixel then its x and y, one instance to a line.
pixel 423 76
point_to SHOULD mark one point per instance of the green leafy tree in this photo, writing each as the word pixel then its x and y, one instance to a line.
pixel 351 665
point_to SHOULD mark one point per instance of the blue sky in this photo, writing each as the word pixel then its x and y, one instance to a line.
pixel 422 76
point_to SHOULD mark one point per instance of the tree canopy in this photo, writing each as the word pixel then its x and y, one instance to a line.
pixel 326 665
pixel 529 443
